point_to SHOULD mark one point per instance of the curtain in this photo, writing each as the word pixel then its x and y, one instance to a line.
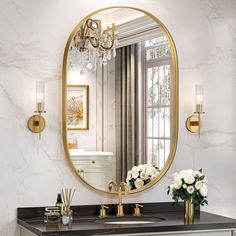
pixel 126 110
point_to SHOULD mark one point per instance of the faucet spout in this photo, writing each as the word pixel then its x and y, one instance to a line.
pixel 125 189
pixel 122 187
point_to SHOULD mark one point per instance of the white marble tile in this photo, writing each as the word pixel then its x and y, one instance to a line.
pixel 32 40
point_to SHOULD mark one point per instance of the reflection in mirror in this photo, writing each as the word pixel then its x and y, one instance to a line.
pixel 120 99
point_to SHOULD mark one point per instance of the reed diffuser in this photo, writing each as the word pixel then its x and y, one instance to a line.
pixel 67 196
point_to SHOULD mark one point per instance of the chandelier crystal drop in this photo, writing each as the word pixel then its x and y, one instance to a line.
pixel 92 45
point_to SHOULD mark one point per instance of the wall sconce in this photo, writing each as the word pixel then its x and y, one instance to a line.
pixel 37 123
pixel 193 123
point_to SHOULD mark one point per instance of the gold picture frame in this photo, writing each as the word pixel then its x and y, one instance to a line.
pixel 77 107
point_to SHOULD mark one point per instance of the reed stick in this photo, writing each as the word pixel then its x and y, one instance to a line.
pixel 67 196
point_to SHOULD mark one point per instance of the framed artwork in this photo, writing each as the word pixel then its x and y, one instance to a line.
pixel 77 110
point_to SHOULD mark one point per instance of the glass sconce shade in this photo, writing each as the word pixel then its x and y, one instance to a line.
pixel 199 96
pixel 37 123
pixel 193 122
pixel 40 96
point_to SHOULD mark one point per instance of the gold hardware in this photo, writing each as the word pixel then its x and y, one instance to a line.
pixel 118 189
pixel 137 210
pixel 111 184
pixel 36 123
pixel 193 123
pixel 103 211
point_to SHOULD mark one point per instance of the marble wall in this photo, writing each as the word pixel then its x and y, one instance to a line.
pixel 32 40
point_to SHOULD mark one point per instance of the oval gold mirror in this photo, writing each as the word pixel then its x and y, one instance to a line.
pixel 120 99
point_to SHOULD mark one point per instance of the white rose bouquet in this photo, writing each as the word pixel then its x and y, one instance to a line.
pixel 141 175
pixel 189 184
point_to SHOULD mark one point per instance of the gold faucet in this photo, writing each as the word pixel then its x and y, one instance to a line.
pixel 118 189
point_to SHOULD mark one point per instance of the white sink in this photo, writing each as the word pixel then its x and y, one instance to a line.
pixel 129 222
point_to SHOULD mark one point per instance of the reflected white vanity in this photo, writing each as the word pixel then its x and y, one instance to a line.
pixel 94 166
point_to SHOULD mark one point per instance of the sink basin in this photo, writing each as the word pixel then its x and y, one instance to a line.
pixel 130 221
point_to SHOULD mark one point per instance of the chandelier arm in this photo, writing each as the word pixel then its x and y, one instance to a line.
pixel 96 23
pixel 107 48
pixel 85 30
pixel 91 41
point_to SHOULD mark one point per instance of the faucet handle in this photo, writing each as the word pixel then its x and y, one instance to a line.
pixel 103 213
pixel 137 210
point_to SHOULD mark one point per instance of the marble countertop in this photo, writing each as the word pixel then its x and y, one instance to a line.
pixel 90 224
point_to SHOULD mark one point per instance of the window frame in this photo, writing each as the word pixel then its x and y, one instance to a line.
pixel 151 63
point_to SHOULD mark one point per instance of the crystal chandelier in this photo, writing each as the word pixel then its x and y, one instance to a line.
pixel 92 45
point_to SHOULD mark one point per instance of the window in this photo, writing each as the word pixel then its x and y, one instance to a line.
pixel 157 108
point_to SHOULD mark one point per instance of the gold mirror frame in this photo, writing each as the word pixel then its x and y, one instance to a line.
pixel 174 91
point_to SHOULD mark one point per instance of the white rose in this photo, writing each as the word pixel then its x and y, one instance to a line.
pixel 135 168
pixel 129 175
pixel 176 175
pixel 198 185
pixel 135 172
pixel 153 176
pixel 172 189
pixel 143 175
pixel 141 168
pixel 182 173
pixel 146 167
pixel 204 190
pixel 205 180
pixel 151 170
pixel 190 189
pixel 191 172
pixel 184 186
pixel 138 183
pixel 177 183
pixel 189 178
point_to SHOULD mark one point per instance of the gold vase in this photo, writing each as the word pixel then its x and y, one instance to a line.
pixel 188 212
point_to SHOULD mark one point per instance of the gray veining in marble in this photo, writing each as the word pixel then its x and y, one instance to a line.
pixel 32 40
